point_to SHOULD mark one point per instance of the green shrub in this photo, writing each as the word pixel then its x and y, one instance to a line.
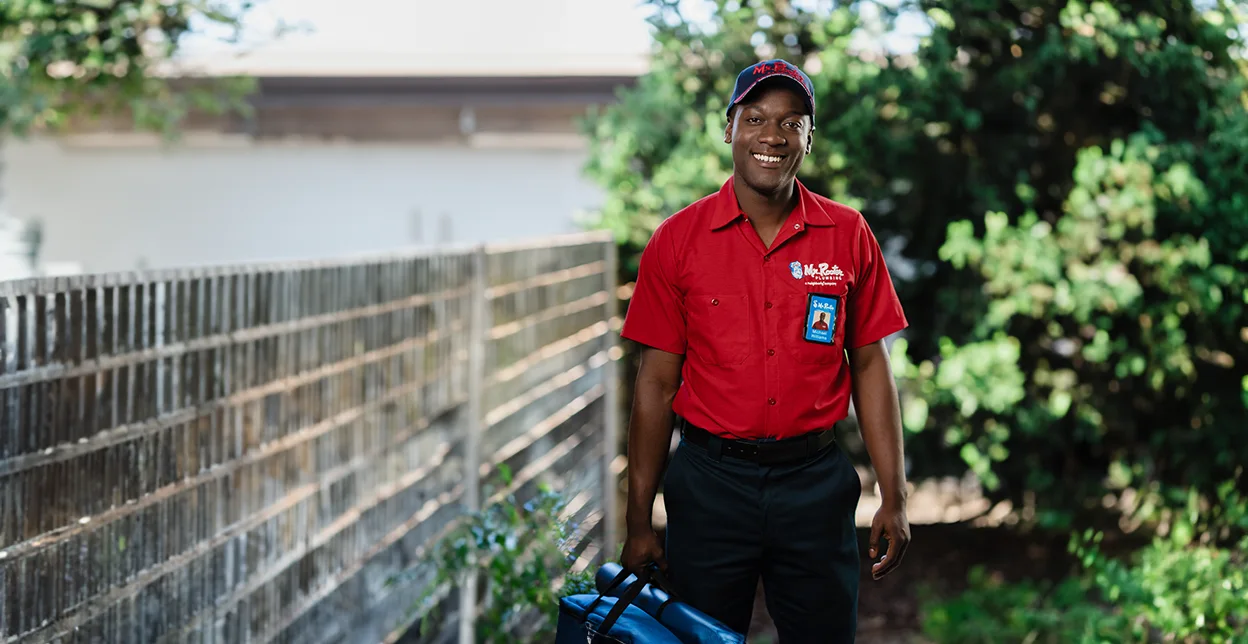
pixel 1189 593
pixel 521 550
pixel 1188 585
pixel 993 611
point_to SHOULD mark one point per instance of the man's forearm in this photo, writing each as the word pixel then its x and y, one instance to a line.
pixel 879 418
pixel 649 439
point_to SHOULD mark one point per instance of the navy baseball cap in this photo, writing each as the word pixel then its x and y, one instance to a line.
pixel 759 72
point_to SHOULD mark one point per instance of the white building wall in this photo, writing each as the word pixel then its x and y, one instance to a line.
pixel 117 207
pixel 14 251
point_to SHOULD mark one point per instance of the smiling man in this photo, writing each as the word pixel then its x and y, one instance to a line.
pixel 727 295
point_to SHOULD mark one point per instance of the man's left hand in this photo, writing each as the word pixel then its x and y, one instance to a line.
pixel 891 522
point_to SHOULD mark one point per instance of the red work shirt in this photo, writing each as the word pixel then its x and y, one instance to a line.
pixel 743 315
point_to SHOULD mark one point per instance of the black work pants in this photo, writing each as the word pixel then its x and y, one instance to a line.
pixel 730 522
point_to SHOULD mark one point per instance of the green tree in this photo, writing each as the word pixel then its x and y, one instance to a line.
pixel 1063 185
pixel 61 61
pixel 1100 269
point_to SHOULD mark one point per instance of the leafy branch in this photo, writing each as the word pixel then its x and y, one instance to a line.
pixel 524 552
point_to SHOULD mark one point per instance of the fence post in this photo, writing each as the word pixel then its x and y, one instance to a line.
pixel 478 335
pixel 611 421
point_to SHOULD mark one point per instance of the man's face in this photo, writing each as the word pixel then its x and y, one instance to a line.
pixel 770 134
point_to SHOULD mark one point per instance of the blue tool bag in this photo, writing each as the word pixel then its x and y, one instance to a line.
pixel 688 624
pixel 607 619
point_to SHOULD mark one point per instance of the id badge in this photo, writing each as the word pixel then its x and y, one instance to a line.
pixel 821 313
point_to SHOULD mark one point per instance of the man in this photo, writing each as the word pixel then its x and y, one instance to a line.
pixel 758 487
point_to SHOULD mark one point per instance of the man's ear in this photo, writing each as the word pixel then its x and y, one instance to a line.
pixel 728 128
pixel 810 141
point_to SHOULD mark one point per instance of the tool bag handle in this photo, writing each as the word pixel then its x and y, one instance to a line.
pixel 624 599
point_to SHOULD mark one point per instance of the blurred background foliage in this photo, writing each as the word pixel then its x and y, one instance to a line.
pixel 1062 187
pixel 98 58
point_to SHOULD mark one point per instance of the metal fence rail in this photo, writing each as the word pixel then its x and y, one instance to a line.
pixel 247 454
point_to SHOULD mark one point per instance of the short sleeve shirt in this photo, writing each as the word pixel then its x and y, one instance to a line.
pixel 750 320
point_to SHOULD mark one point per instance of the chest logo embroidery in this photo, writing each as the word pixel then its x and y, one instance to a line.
pixel 820 274
pixel 823 272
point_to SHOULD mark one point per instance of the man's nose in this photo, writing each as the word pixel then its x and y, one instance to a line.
pixel 771 135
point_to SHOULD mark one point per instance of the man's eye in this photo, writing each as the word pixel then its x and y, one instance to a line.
pixel 753 119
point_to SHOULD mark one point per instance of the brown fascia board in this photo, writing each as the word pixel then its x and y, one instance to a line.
pixel 398 91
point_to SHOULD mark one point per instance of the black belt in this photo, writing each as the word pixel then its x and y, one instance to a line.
pixel 786 450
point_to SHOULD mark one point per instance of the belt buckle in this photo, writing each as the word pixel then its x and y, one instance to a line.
pixel 747 451
pixel 777 455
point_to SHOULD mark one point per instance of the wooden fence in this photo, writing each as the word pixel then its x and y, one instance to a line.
pixel 248 454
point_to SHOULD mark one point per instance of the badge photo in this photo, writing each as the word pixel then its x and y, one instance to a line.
pixel 821 313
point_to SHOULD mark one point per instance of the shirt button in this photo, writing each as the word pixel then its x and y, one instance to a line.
pixel 771 352
pixel 771 401
pixel 797 226
pixel 767 305
pixel 714 302
pixel 767 259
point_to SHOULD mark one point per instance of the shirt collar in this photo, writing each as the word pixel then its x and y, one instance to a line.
pixel 809 211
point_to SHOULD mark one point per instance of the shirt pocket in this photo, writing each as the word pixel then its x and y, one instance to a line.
pixel 796 312
pixel 718 328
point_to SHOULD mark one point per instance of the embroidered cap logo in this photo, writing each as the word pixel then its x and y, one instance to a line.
pixel 777 68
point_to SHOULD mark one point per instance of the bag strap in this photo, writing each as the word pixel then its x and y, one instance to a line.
pixel 624 599
pixel 619 579
pixel 661 580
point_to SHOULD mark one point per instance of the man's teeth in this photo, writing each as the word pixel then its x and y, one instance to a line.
pixel 766 159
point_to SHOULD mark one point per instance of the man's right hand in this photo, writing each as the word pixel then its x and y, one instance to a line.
pixel 649 440
pixel 641 549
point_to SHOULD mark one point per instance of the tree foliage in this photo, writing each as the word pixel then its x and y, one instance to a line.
pixel 1062 186
pixel 62 60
